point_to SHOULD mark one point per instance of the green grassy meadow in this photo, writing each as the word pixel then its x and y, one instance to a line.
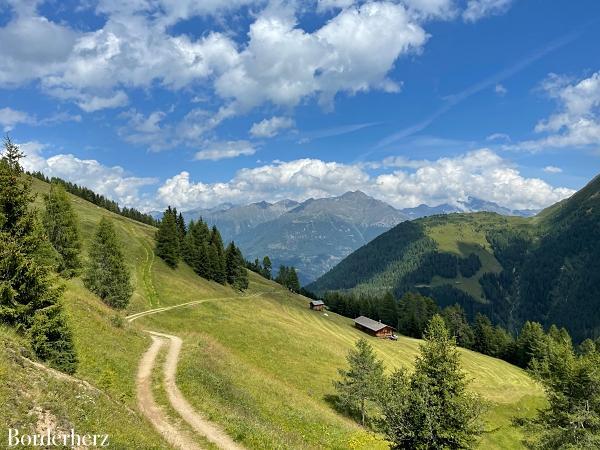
pixel 261 364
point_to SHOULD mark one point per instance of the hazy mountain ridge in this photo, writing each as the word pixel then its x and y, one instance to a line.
pixel 316 234
pixel 471 204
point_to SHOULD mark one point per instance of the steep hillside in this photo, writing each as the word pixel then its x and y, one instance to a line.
pixel 543 268
pixel 258 364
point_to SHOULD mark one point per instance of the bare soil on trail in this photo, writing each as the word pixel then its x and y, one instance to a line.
pixel 147 405
pixel 204 427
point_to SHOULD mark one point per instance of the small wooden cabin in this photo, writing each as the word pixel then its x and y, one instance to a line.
pixel 373 327
pixel 317 305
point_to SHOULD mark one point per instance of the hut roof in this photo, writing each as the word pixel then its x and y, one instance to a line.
pixel 370 323
pixel 317 303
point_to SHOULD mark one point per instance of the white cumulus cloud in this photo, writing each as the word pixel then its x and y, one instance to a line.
pixel 576 123
pixel 271 127
pixel 226 150
pixel 404 183
pixel 113 182
pixel 9 118
pixel 478 9
pixel 552 169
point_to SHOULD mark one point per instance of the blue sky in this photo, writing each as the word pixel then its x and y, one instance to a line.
pixel 157 102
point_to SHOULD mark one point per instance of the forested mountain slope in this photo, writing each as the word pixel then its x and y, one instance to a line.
pixel 514 269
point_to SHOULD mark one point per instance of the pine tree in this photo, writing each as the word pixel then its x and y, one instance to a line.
pixel 282 275
pixel 28 292
pixel 212 258
pixel 388 310
pixel 61 227
pixel 181 228
pixel 189 248
pixel 360 384
pixel 288 277
pixel 195 248
pixel 237 275
pixel 531 343
pixel 293 282
pixel 168 245
pixel 218 261
pixel 241 281
pixel 107 274
pixel 52 340
pixel 572 385
pixel 432 408
pixel 458 325
pixel 266 267
pixel 231 263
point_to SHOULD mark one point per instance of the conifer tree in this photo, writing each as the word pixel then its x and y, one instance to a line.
pixel 432 408
pixel 168 243
pixel 293 282
pixel 212 258
pixel 61 227
pixel 572 385
pixel 189 248
pixel 107 274
pixel 195 248
pixel 241 281
pixel 28 292
pixel 237 275
pixel 218 261
pixel 388 310
pixel 181 228
pixel 231 263
pixel 458 325
pixel 361 382
pixel 52 340
pixel 531 343
pixel 267 266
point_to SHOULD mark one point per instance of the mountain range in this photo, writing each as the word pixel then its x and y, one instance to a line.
pixel 543 268
pixel 316 234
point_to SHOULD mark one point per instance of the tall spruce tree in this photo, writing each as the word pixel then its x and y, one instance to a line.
pixel 217 256
pixel 432 408
pixel 231 263
pixel 361 382
pixel 293 281
pixel 572 385
pixel 168 241
pixel 388 310
pixel 241 281
pixel 195 248
pixel 29 294
pixel 181 228
pixel 267 266
pixel 61 227
pixel 458 325
pixel 107 274
pixel 237 275
pixel 288 277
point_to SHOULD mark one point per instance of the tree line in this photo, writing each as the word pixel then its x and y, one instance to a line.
pixel 201 248
pixel 287 276
pixel 412 312
pixel 98 199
